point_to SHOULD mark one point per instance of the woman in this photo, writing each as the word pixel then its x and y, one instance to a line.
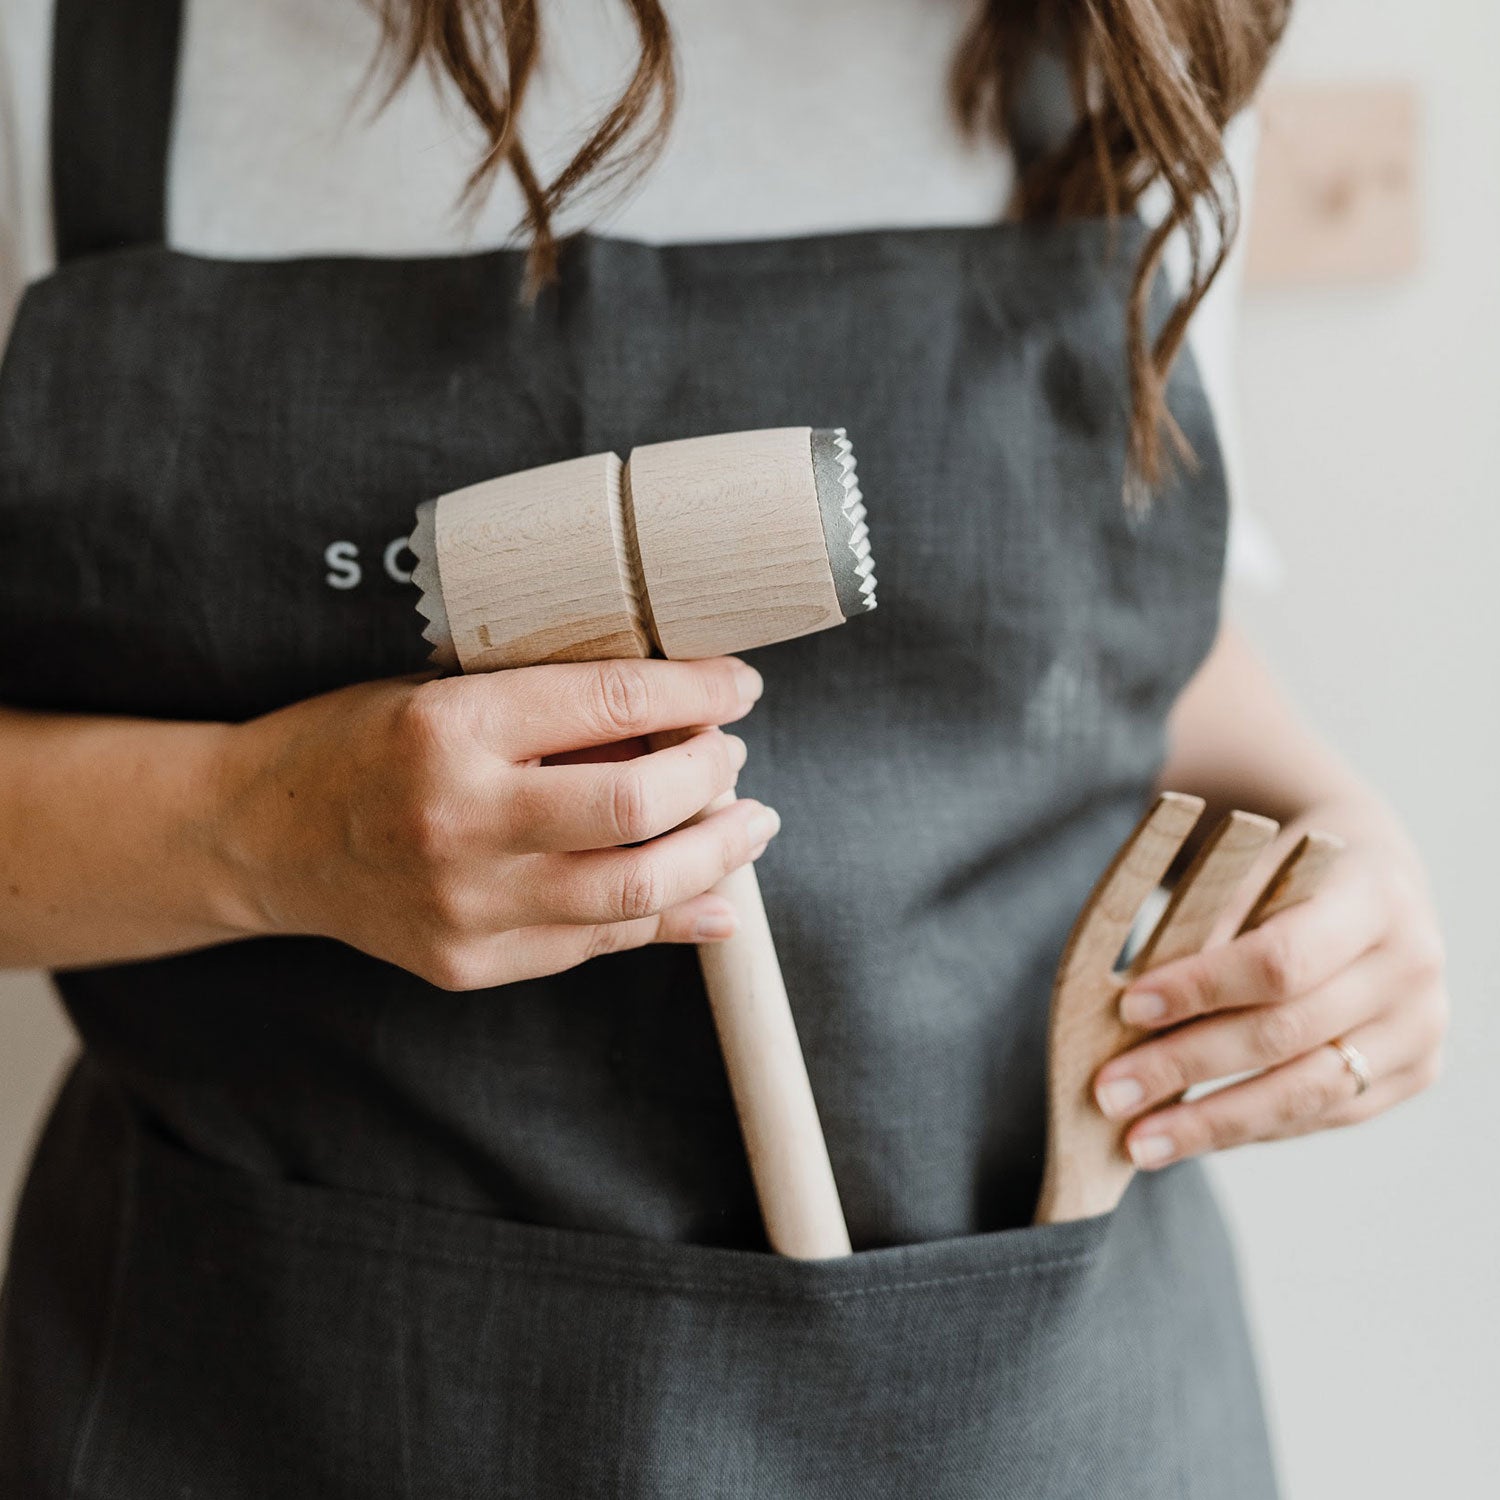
pixel 399 1158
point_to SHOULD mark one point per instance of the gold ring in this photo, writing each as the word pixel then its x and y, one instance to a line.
pixel 1356 1062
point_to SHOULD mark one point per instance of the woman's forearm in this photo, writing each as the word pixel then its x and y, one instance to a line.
pixel 468 829
pixel 1237 742
pixel 106 839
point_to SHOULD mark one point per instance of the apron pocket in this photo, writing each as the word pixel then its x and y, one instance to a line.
pixel 274 1337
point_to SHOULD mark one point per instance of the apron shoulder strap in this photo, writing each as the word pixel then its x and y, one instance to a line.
pixel 114 78
pixel 1041 112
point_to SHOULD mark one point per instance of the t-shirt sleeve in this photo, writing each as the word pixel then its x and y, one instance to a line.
pixel 1253 556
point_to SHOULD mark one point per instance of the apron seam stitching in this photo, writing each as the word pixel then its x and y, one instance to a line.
pixel 626 1274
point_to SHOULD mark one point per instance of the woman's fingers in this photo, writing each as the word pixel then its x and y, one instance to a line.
pixel 1221 1045
pixel 625 885
pixel 546 710
pixel 1315 1091
pixel 1292 953
pixel 529 952
pixel 602 804
pixel 1360 961
pixel 550 949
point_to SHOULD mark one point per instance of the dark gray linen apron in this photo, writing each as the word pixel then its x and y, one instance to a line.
pixel 299 1223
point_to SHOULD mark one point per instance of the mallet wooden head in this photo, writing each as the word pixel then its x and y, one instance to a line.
pixel 693 548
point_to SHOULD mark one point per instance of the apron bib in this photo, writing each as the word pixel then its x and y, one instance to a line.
pixel 300 1223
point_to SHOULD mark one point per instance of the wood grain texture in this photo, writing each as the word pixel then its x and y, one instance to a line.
pixel 535 567
pixel 1296 878
pixel 773 1097
pixel 1084 1165
pixel 1222 862
pixel 731 541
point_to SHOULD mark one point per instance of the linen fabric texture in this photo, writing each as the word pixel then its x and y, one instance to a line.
pixel 302 1223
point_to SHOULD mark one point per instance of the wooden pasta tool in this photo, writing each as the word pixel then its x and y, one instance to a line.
pixel 1087 1168
pixel 702 547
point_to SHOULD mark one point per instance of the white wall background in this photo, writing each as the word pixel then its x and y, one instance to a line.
pixel 1371 428
pixel 1371 433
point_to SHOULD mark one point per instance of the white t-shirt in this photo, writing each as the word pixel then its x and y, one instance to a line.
pixel 794 116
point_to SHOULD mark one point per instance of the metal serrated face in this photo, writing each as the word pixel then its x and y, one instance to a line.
pixel 845 531
pixel 437 631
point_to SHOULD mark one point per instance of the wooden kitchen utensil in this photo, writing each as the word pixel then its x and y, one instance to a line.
pixel 695 548
pixel 1087 1169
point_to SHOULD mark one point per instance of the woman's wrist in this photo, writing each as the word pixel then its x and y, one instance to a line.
pixel 221 782
pixel 159 880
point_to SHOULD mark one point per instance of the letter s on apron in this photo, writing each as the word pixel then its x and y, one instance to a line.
pixel 300 1223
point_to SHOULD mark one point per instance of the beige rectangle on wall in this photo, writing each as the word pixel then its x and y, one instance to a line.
pixel 1336 194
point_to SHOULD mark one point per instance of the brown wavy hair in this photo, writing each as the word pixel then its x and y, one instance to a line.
pixel 1153 84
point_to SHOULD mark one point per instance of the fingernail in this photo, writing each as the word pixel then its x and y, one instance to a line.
pixel 1151 1150
pixel 1119 1095
pixel 764 825
pixel 748 681
pixel 1142 1007
pixel 738 750
pixel 714 925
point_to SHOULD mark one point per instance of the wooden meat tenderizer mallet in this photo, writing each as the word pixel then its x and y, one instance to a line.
pixel 1087 1168
pixel 702 547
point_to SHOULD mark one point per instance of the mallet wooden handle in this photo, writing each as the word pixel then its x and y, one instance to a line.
pixel 768 1077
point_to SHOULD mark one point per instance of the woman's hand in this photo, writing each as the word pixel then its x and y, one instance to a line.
pixel 462 828
pixel 1361 961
